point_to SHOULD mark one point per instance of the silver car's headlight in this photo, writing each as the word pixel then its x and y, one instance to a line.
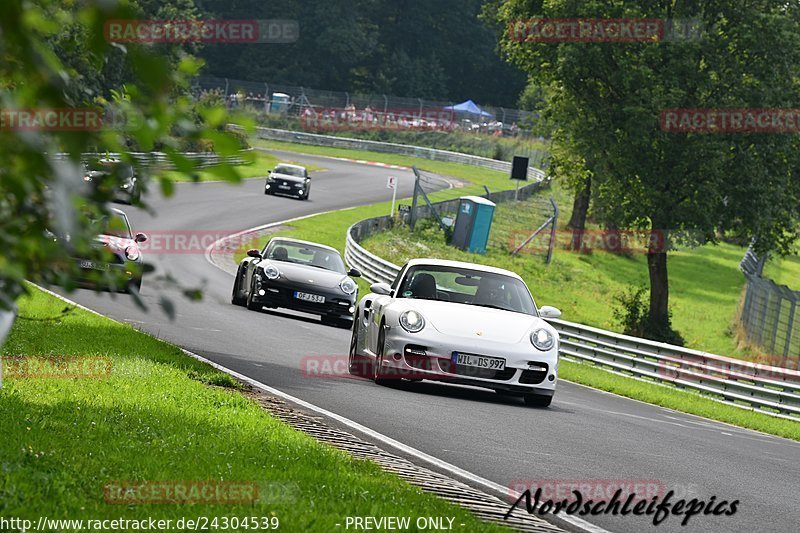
pixel 132 253
pixel 412 321
pixel 348 286
pixel 542 339
pixel 272 272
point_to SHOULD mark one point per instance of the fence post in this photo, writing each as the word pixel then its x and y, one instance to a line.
pixel 763 316
pixel 552 231
pixel 414 200
pixel 789 332
pixel 775 324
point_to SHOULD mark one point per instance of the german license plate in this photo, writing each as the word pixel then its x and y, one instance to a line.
pixel 314 298
pixel 479 361
pixel 284 187
pixel 93 265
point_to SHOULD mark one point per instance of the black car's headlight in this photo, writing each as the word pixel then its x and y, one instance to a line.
pixel 272 272
pixel 412 321
pixel 542 339
pixel 348 286
pixel 132 253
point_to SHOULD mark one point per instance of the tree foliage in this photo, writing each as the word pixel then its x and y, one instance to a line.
pixel 53 55
pixel 607 99
pixel 413 48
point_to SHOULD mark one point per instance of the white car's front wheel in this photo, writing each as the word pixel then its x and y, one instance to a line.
pixel 378 376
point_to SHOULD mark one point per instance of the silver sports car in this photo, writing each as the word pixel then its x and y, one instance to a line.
pixel 459 323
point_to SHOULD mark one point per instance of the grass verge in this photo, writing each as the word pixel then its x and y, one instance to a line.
pixel 262 163
pixel 159 415
pixel 496 181
pixel 705 282
pixel 784 271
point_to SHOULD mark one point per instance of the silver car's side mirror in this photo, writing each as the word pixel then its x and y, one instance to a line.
pixel 384 289
pixel 548 311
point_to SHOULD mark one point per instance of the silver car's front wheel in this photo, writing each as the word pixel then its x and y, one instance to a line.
pixel 378 376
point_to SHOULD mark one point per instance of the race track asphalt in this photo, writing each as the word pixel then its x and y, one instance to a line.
pixel 585 436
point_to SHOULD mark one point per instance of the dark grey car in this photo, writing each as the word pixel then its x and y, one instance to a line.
pixel 298 275
pixel 291 180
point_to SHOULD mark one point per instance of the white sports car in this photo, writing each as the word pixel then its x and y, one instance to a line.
pixel 460 323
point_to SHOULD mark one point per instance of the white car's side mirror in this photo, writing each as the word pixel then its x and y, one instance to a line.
pixel 548 311
pixel 384 289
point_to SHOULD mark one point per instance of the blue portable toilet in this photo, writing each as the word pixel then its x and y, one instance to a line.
pixel 473 223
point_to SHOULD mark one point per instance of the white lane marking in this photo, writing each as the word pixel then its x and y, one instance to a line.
pixel 728 434
pixel 496 488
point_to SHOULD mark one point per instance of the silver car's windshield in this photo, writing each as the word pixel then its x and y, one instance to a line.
pixel 304 254
pixel 465 286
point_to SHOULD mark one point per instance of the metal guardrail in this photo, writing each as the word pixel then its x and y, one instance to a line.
pixel 767 389
pixel 392 148
pixel 161 160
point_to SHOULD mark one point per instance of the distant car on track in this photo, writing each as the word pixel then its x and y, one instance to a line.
pixel 289 179
pixel 102 172
pixel 459 323
pixel 298 275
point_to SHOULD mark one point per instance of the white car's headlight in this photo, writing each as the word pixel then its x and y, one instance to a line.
pixel 348 286
pixel 412 321
pixel 132 253
pixel 272 272
pixel 542 339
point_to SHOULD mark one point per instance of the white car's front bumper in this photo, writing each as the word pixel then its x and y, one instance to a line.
pixel 429 355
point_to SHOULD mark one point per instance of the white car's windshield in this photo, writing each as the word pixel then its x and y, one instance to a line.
pixel 304 254
pixel 465 286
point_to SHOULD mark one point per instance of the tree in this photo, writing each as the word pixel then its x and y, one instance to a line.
pixel 56 57
pixel 609 96
pixel 412 48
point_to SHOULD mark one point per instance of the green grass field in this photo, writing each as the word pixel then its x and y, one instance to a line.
pixel 705 282
pixel 159 415
pixel 784 271
pixel 262 163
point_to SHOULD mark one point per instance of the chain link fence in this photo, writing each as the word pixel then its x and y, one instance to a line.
pixel 770 313
pixel 295 101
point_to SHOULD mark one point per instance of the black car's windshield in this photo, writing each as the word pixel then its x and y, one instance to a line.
pixel 465 286
pixel 304 254
pixel 291 171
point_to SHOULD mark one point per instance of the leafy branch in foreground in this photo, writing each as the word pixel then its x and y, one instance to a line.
pixel 54 56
